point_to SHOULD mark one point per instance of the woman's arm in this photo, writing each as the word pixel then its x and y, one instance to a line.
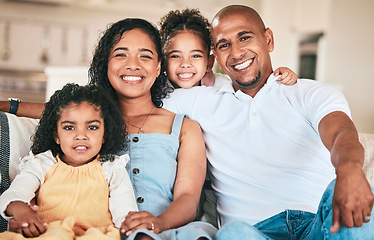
pixel 187 188
pixel 25 109
pixel 190 177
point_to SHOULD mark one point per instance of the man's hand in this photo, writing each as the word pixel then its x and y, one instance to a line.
pixel 353 198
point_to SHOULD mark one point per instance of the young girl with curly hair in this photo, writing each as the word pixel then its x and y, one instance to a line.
pixel 186 45
pixel 72 169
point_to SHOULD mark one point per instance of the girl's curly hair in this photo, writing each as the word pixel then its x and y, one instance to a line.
pixel 115 130
pixel 98 71
pixel 187 19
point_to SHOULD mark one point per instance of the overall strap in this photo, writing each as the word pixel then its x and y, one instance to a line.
pixel 177 124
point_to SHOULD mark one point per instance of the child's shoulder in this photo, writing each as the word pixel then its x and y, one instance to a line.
pixel 116 167
pixel 220 78
pixel 118 162
pixel 40 158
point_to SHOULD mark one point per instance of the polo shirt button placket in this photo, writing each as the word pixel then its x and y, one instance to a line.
pixel 253 113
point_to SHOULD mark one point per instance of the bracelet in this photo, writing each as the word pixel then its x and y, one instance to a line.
pixel 14 102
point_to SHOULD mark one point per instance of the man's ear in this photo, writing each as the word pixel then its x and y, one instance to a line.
pixel 269 39
pixel 211 59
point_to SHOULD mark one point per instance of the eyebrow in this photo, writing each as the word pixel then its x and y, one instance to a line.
pixel 127 49
pixel 244 32
pixel 174 51
pixel 197 50
pixel 220 41
pixel 178 51
pixel 239 34
pixel 72 122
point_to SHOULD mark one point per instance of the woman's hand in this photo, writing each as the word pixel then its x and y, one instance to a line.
pixel 141 220
pixel 25 219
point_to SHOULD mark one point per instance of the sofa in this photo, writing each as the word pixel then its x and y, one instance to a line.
pixel 16 132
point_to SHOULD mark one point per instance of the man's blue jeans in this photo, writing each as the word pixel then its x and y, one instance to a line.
pixel 296 224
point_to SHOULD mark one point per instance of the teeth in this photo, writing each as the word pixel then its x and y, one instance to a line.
pixel 243 65
pixel 185 75
pixel 131 78
pixel 80 148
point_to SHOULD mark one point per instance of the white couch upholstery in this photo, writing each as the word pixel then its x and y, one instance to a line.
pixel 16 132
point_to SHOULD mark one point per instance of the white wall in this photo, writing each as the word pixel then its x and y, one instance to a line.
pixel 79 26
pixel 350 57
pixel 28 21
pixel 346 58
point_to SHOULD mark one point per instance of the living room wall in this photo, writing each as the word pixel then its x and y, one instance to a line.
pixel 345 51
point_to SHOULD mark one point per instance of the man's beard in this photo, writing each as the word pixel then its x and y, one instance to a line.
pixel 254 82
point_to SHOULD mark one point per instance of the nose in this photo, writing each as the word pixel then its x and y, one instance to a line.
pixel 236 51
pixel 186 63
pixel 132 63
pixel 81 135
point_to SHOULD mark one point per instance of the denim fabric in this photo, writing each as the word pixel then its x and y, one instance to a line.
pixel 239 230
pixel 296 224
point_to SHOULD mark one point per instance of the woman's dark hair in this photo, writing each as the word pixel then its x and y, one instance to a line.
pixel 98 71
pixel 187 19
pixel 115 130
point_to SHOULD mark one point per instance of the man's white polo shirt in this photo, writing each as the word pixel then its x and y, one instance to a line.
pixel 265 153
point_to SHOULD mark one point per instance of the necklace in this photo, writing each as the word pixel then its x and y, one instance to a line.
pixel 141 127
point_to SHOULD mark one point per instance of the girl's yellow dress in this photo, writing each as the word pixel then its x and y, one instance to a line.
pixel 72 200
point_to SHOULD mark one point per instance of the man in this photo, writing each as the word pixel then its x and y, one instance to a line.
pixel 269 145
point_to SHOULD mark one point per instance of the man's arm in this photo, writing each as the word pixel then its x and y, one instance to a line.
pixel 352 198
pixel 25 109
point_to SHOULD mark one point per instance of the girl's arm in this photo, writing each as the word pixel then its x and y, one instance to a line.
pixel 121 192
pixel 187 188
pixel 16 202
pixel 287 76
pixel 25 109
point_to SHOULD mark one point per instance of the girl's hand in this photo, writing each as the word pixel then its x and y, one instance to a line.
pixel 287 76
pixel 139 220
pixel 25 219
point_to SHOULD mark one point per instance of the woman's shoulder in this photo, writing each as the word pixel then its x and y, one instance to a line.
pixel 190 126
pixel 162 112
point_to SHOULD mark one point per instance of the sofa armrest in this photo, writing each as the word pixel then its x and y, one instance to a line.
pixel 367 140
pixel 16 133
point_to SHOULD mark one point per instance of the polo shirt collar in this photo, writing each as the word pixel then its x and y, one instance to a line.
pixel 228 88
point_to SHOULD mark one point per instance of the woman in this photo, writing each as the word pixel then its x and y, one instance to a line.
pixel 167 154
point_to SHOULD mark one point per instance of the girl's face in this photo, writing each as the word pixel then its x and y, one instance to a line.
pixel 186 59
pixel 133 65
pixel 80 133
